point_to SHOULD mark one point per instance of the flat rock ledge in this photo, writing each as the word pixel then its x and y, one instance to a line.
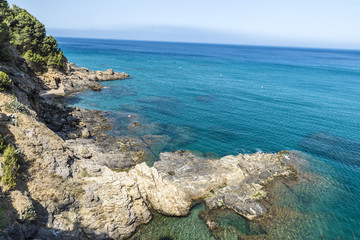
pixel 172 185
pixel 235 182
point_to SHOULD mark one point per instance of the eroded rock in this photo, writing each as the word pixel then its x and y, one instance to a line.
pixel 236 182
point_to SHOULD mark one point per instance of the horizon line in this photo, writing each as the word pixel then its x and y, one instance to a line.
pixel 213 43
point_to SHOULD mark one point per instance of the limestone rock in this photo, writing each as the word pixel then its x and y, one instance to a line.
pixel 236 182
pixel 23 205
pixel 85 133
pixel 162 194
pixel 113 206
pixel 56 83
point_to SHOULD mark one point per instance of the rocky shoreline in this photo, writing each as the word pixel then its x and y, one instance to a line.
pixel 75 182
pixel 74 80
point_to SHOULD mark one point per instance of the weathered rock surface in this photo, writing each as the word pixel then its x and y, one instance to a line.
pixel 107 75
pixel 75 79
pixel 68 186
pixel 235 182
pixel 106 153
pixel 113 205
pixel 23 205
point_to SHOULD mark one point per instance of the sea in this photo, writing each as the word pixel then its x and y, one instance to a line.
pixel 217 100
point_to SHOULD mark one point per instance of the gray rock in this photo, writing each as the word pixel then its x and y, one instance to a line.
pixel 180 177
pixel 85 133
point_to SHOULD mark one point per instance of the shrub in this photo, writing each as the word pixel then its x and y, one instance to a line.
pixel 49 46
pixel 4 54
pixel 4 33
pixel 28 35
pixel 2 143
pixel 57 60
pixel 85 173
pixel 27 32
pixel 16 106
pixel 9 165
pixel 29 215
pixel 4 10
pixel 3 221
pixel 35 60
pixel 5 81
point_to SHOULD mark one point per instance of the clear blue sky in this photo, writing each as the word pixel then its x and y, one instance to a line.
pixel 309 23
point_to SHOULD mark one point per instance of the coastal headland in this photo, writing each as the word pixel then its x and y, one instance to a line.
pixel 84 183
pixel 73 181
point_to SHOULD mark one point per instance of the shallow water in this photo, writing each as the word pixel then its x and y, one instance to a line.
pixel 166 228
pixel 224 99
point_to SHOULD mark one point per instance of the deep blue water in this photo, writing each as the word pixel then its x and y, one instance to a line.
pixel 226 99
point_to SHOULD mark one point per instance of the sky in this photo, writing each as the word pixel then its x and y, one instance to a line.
pixel 303 23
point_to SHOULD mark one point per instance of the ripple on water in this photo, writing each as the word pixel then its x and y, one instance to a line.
pixel 340 149
pixel 207 98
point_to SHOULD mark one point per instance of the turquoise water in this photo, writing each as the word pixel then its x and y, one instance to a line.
pixel 224 99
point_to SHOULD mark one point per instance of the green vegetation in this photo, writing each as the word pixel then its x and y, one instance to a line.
pixel 2 143
pixel 16 106
pixel 257 195
pixel 29 215
pixel 5 81
pixel 85 173
pixel 4 10
pixel 4 38
pixel 80 191
pixel 28 35
pixel 9 166
pixel 118 170
pixel 3 221
pixel 4 31
pixel 171 173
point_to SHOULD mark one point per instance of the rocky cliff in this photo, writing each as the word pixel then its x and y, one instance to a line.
pixel 75 182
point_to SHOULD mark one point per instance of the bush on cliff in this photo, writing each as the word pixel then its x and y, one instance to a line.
pixel 9 166
pixel 56 60
pixel 5 81
pixel 49 46
pixel 35 60
pixel 4 33
pixel 28 35
pixel 4 10
pixel 4 38
pixel 2 143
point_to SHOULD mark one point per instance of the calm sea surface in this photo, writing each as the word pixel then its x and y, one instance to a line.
pixel 224 99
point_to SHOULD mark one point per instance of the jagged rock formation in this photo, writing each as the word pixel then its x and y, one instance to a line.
pixel 234 182
pixel 75 79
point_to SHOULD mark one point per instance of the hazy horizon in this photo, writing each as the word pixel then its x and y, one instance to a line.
pixel 210 43
pixel 321 24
